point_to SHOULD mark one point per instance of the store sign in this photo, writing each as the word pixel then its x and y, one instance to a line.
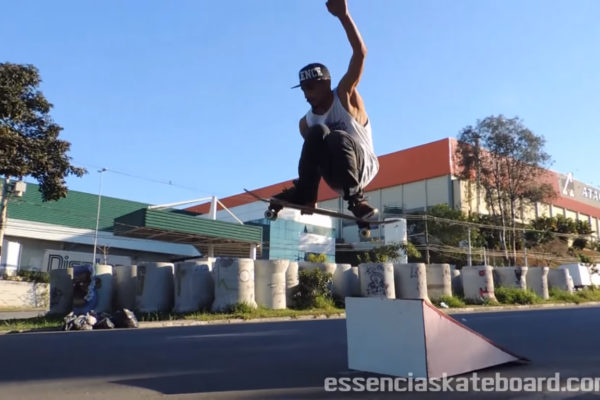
pixel 569 187
pixel 591 193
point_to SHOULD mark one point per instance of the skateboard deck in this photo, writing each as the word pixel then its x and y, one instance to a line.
pixel 271 213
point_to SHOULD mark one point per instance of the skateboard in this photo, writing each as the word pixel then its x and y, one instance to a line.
pixel 364 225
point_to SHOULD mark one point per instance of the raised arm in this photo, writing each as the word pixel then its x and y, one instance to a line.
pixel 349 82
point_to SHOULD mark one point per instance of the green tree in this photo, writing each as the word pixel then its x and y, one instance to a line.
pixel 543 229
pixel 29 143
pixel 388 253
pixel 507 161
pixel 316 258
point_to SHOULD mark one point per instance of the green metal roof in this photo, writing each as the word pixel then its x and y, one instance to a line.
pixel 173 226
pixel 77 210
pixel 134 219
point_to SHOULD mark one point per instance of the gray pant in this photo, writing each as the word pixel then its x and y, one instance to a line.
pixel 333 156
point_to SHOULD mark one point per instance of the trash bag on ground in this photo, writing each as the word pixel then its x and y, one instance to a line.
pixel 104 323
pixel 125 318
pixel 83 322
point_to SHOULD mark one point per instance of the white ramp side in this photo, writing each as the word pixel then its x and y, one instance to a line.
pixel 402 337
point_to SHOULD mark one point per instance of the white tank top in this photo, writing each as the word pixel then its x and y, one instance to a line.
pixel 337 118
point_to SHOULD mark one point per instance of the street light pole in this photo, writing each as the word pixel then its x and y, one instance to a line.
pixel 478 177
pixel 101 171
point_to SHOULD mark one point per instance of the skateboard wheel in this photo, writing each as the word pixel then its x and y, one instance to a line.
pixel 270 215
pixel 365 233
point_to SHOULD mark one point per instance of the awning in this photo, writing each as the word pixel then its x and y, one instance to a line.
pixel 175 226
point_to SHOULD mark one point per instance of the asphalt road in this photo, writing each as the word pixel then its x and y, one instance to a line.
pixel 270 360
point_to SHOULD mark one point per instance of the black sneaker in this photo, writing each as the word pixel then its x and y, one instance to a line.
pixel 292 195
pixel 363 210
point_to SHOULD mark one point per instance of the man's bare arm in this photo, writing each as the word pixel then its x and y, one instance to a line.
pixel 347 88
pixel 303 127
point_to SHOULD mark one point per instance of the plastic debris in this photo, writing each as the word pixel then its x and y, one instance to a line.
pixel 123 318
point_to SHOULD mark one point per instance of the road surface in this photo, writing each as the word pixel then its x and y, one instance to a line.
pixel 269 360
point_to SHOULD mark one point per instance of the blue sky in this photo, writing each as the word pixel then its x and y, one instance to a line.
pixel 185 99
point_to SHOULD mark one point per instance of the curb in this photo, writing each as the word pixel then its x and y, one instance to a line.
pixel 232 321
pixel 450 311
pixel 518 307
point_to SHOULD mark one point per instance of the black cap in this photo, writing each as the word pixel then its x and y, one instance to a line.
pixel 314 71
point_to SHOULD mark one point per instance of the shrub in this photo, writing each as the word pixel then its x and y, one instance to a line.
pixel 451 301
pixel 482 301
pixel 25 275
pixel 563 296
pixel 580 243
pixel 490 302
pixel 313 289
pixel 588 294
pixel 516 296
pixel 239 308
pixel 316 258
pixel 34 276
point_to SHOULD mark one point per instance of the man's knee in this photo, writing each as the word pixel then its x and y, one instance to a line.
pixel 318 132
pixel 339 140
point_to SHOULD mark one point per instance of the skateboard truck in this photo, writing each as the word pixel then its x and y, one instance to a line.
pixel 271 214
pixel 275 205
pixel 364 230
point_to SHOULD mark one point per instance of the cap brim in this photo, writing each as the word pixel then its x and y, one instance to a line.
pixel 294 87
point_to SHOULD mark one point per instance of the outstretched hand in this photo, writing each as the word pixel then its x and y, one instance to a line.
pixel 338 8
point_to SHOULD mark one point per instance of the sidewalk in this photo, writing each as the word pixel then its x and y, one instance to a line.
pixel 21 314
pixel 25 314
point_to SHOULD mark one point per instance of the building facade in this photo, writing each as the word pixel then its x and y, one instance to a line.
pixel 415 179
pixel 59 234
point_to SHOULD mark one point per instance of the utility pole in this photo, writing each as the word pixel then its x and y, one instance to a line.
pixel 3 206
pixel 478 173
pixel 101 171
pixel 469 257
pixel 8 189
pixel 426 241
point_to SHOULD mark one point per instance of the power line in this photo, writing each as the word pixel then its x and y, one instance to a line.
pixel 148 179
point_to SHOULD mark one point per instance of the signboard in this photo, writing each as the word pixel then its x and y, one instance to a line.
pixel 60 259
pixel 579 191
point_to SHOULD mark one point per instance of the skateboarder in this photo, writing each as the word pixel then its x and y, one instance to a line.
pixel 338 144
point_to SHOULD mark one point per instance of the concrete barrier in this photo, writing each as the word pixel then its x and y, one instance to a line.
pixel 194 287
pixel 291 281
pixel 15 294
pixel 580 274
pixel 103 276
pixel 343 281
pixel 61 291
pixel 269 283
pixel 478 283
pixel 410 281
pixel 439 281
pixel 377 280
pixel 154 287
pixel 125 286
pixel 510 277
pixel 354 278
pixel 457 287
pixel 537 281
pixel 234 283
pixel 560 279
